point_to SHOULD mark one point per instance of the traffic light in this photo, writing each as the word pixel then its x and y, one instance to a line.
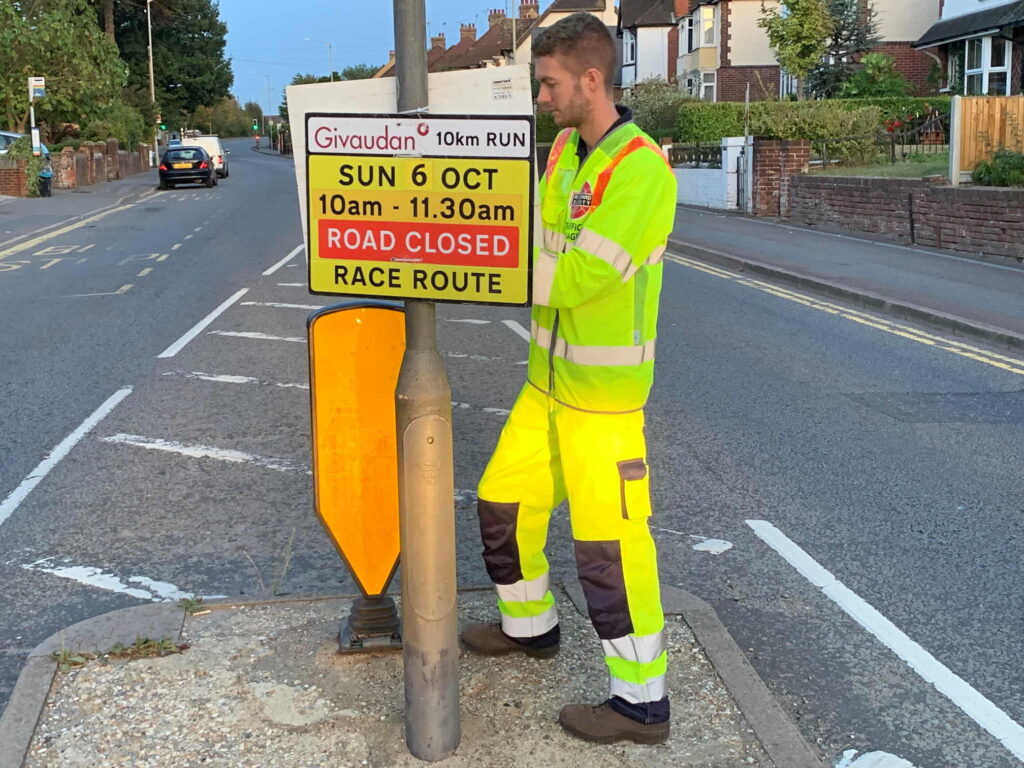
pixel 255 124
pixel 163 126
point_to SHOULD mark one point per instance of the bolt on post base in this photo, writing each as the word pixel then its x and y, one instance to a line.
pixel 372 625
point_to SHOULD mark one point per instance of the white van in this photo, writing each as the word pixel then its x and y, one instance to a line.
pixel 214 149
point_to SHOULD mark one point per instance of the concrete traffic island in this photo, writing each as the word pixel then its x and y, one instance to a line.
pixel 262 684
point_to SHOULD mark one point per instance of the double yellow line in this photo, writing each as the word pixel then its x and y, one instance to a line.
pixel 1013 365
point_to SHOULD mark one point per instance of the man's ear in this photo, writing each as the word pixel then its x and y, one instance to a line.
pixel 593 79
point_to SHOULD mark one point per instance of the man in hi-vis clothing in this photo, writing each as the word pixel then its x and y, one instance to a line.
pixel 607 201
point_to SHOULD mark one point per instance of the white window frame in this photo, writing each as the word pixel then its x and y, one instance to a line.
pixel 986 69
pixel 708 90
pixel 628 47
pixel 704 20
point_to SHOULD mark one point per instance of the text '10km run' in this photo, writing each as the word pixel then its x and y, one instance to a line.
pixel 435 208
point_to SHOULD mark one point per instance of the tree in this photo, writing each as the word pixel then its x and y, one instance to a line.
pixel 253 111
pixel 876 77
pixel 359 72
pixel 854 32
pixel 60 40
pixel 188 53
pixel 797 32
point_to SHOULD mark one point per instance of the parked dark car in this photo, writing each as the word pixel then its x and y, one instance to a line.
pixel 186 165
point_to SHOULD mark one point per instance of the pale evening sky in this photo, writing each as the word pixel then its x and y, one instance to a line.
pixel 265 39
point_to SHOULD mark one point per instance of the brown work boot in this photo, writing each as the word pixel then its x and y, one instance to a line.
pixel 487 639
pixel 603 725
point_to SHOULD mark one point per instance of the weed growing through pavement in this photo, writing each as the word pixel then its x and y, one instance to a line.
pixel 191 605
pixel 280 570
pixel 142 648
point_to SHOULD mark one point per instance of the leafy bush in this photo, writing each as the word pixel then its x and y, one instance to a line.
pixel 22 150
pixel 119 122
pixel 1004 169
pixel 655 103
pixel 900 107
pixel 877 76
pixel 702 122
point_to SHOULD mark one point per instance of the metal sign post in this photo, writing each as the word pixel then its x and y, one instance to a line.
pixel 36 90
pixel 426 478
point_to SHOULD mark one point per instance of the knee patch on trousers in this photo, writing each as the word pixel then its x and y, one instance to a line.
pixel 599 564
pixel 498 533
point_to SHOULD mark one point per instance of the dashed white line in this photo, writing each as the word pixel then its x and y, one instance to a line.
pixel 284 261
pixel 468 321
pixel 157 591
pixel 145 272
pixel 198 328
pixel 280 305
pixel 221 378
pixel 293 285
pixel 59 451
pixel 205 452
pixel 982 711
pixel 259 336
pixel 176 246
pixel 517 329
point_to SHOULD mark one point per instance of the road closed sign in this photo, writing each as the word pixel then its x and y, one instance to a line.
pixel 433 208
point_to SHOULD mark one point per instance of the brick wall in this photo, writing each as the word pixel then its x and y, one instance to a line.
pixel 12 177
pixel 65 170
pixel 775 165
pixel 913 65
pixel 984 221
pixel 732 83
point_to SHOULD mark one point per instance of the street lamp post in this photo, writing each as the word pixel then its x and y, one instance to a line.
pixel 152 86
pixel 330 54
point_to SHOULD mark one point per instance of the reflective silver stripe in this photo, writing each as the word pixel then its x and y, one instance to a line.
pixel 652 690
pixel 543 276
pixel 640 648
pixel 530 626
pixel 554 241
pixel 524 591
pixel 650 261
pixel 592 355
pixel 606 250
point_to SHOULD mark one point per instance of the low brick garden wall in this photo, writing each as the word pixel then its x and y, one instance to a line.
pixel 981 221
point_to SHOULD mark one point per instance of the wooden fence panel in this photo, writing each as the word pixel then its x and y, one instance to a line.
pixel 989 123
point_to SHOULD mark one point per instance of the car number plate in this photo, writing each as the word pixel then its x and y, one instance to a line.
pixel 181 165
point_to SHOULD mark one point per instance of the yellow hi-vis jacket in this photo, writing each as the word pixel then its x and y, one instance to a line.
pixel 597 273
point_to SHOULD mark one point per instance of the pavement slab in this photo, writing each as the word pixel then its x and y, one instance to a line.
pixel 262 684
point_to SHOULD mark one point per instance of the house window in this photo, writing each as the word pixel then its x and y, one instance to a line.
pixel 707 25
pixel 628 47
pixel 687 28
pixel 707 86
pixel 987 66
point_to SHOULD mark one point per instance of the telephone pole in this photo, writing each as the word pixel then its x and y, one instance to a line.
pixel 425 477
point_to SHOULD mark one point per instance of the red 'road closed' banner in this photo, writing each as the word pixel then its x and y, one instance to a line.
pixel 465 245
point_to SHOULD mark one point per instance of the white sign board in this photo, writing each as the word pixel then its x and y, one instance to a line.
pixel 478 92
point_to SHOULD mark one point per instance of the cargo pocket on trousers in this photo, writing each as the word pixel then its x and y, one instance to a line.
pixel 634 484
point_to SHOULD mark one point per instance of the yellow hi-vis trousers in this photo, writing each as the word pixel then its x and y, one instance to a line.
pixel 548 452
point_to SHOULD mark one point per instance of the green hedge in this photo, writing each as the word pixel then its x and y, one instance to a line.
pixel 1004 169
pixel 702 122
pixel 708 123
pixel 900 107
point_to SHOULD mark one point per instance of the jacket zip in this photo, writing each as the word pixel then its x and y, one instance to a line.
pixel 551 356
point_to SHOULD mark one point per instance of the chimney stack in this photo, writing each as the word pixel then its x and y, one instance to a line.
pixel 467 33
pixel 437 43
pixel 529 10
pixel 495 16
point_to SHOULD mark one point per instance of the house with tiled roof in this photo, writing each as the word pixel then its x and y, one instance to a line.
pixel 650 40
pixel 558 10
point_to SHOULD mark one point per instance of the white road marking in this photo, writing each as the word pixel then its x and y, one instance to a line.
pixel 145 272
pixel 982 711
pixel 197 229
pixel 189 237
pixel 284 261
pixel 280 305
pixel 872 760
pixel 259 336
pixel 498 411
pixel 205 452
pixel 176 246
pixel 468 321
pixel 156 591
pixel 198 328
pixel 713 546
pixel 230 379
pixel 119 292
pixel 59 451
pixel 517 328
pixel 293 285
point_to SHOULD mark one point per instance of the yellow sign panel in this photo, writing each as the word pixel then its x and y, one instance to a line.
pixel 355 353
pixel 445 228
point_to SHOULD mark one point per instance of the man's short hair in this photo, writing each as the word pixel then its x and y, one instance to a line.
pixel 584 41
